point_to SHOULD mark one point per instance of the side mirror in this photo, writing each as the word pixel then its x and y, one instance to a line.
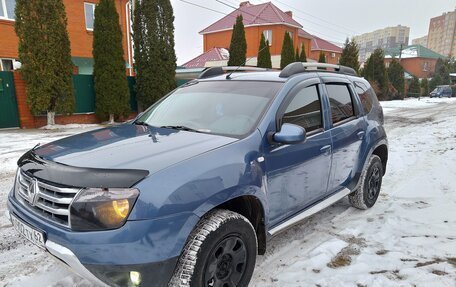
pixel 290 134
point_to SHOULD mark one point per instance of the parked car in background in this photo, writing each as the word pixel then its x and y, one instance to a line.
pixel 190 192
pixel 441 91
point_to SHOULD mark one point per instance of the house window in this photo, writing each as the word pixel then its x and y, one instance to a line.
pixel 426 66
pixel 333 55
pixel 89 9
pixel 268 36
pixel 291 34
pixel 7 9
pixel 6 65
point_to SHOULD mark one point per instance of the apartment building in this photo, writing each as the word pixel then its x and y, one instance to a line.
pixel 387 38
pixel 422 41
pixel 442 34
pixel 80 14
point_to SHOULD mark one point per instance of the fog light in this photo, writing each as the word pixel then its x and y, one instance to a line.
pixel 135 278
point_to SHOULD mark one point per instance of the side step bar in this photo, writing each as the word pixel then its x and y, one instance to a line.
pixel 310 211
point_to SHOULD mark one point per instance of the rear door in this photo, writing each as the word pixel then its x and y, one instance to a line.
pixel 348 129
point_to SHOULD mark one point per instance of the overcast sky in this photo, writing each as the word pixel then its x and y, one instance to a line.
pixel 333 20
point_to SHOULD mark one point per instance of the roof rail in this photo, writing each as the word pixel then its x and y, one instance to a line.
pixel 298 67
pixel 217 71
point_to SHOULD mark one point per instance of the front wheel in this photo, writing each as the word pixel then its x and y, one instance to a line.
pixel 366 194
pixel 220 252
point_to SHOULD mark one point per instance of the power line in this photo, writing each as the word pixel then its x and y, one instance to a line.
pixel 321 19
pixel 204 7
pixel 313 31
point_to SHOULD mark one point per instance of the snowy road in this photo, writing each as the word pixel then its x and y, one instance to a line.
pixel 407 239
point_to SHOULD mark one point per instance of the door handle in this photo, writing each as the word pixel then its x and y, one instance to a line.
pixel 361 135
pixel 326 149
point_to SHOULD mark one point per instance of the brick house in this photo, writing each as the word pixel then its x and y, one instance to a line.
pixel 331 51
pixel 80 14
pixel 266 19
pixel 415 59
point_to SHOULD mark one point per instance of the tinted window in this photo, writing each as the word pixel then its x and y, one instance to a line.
pixel 218 107
pixel 364 96
pixel 304 110
pixel 341 102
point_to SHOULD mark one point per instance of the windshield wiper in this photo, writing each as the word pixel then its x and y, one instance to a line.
pixel 181 128
pixel 141 123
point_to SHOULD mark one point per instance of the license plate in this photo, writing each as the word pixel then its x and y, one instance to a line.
pixel 32 234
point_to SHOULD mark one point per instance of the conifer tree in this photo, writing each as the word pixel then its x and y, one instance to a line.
pixel 111 87
pixel 322 57
pixel 414 88
pixel 264 56
pixel 303 56
pixel 238 45
pixel 287 54
pixel 45 54
pixel 350 55
pixel 155 58
pixel 396 77
pixel 297 55
pixel 424 87
pixel 375 73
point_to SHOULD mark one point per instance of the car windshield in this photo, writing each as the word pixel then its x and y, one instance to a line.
pixel 231 108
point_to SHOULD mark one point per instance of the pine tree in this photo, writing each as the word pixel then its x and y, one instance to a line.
pixel 155 58
pixel 375 72
pixel 396 77
pixel 44 51
pixel 424 87
pixel 322 57
pixel 111 87
pixel 302 56
pixel 287 55
pixel 350 55
pixel 297 55
pixel 238 46
pixel 414 88
pixel 264 56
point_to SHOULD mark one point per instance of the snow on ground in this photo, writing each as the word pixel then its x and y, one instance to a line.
pixel 407 239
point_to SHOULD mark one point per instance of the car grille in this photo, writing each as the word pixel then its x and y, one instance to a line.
pixel 48 201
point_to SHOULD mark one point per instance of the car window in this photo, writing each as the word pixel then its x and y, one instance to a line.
pixel 305 109
pixel 364 96
pixel 231 108
pixel 340 102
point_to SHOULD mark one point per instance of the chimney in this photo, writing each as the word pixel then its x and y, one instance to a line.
pixel 244 4
pixel 289 13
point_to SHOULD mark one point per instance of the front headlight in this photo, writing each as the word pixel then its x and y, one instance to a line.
pixel 102 208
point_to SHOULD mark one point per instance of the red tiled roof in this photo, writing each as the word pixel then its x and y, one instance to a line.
pixel 318 44
pixel 253 15
pixel 304 34
pixel 214 54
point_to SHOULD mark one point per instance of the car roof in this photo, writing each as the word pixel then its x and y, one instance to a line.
pixel 273 76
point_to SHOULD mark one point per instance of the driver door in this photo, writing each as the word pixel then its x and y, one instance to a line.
pixel 297 174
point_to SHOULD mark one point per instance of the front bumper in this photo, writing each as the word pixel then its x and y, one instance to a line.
pixel 154 274
pixel 150 247
pixel 66 256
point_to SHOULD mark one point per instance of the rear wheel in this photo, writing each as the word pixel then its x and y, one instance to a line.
pixel 368 190
pixel 220 252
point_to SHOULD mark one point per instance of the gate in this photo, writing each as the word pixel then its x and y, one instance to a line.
pixel 9 117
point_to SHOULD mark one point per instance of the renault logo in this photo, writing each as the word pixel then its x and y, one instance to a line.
pixel 33 191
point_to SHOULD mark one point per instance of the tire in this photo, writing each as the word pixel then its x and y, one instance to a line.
pixel 366 194
pixel 221 252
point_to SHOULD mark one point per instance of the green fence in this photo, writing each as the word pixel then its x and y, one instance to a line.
pixel 85 93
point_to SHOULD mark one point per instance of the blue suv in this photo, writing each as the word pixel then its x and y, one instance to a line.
pixel 190 192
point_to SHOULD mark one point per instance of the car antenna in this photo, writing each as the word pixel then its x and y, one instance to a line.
pixel 235 70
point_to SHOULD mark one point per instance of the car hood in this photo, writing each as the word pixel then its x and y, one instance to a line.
pixel 130 146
